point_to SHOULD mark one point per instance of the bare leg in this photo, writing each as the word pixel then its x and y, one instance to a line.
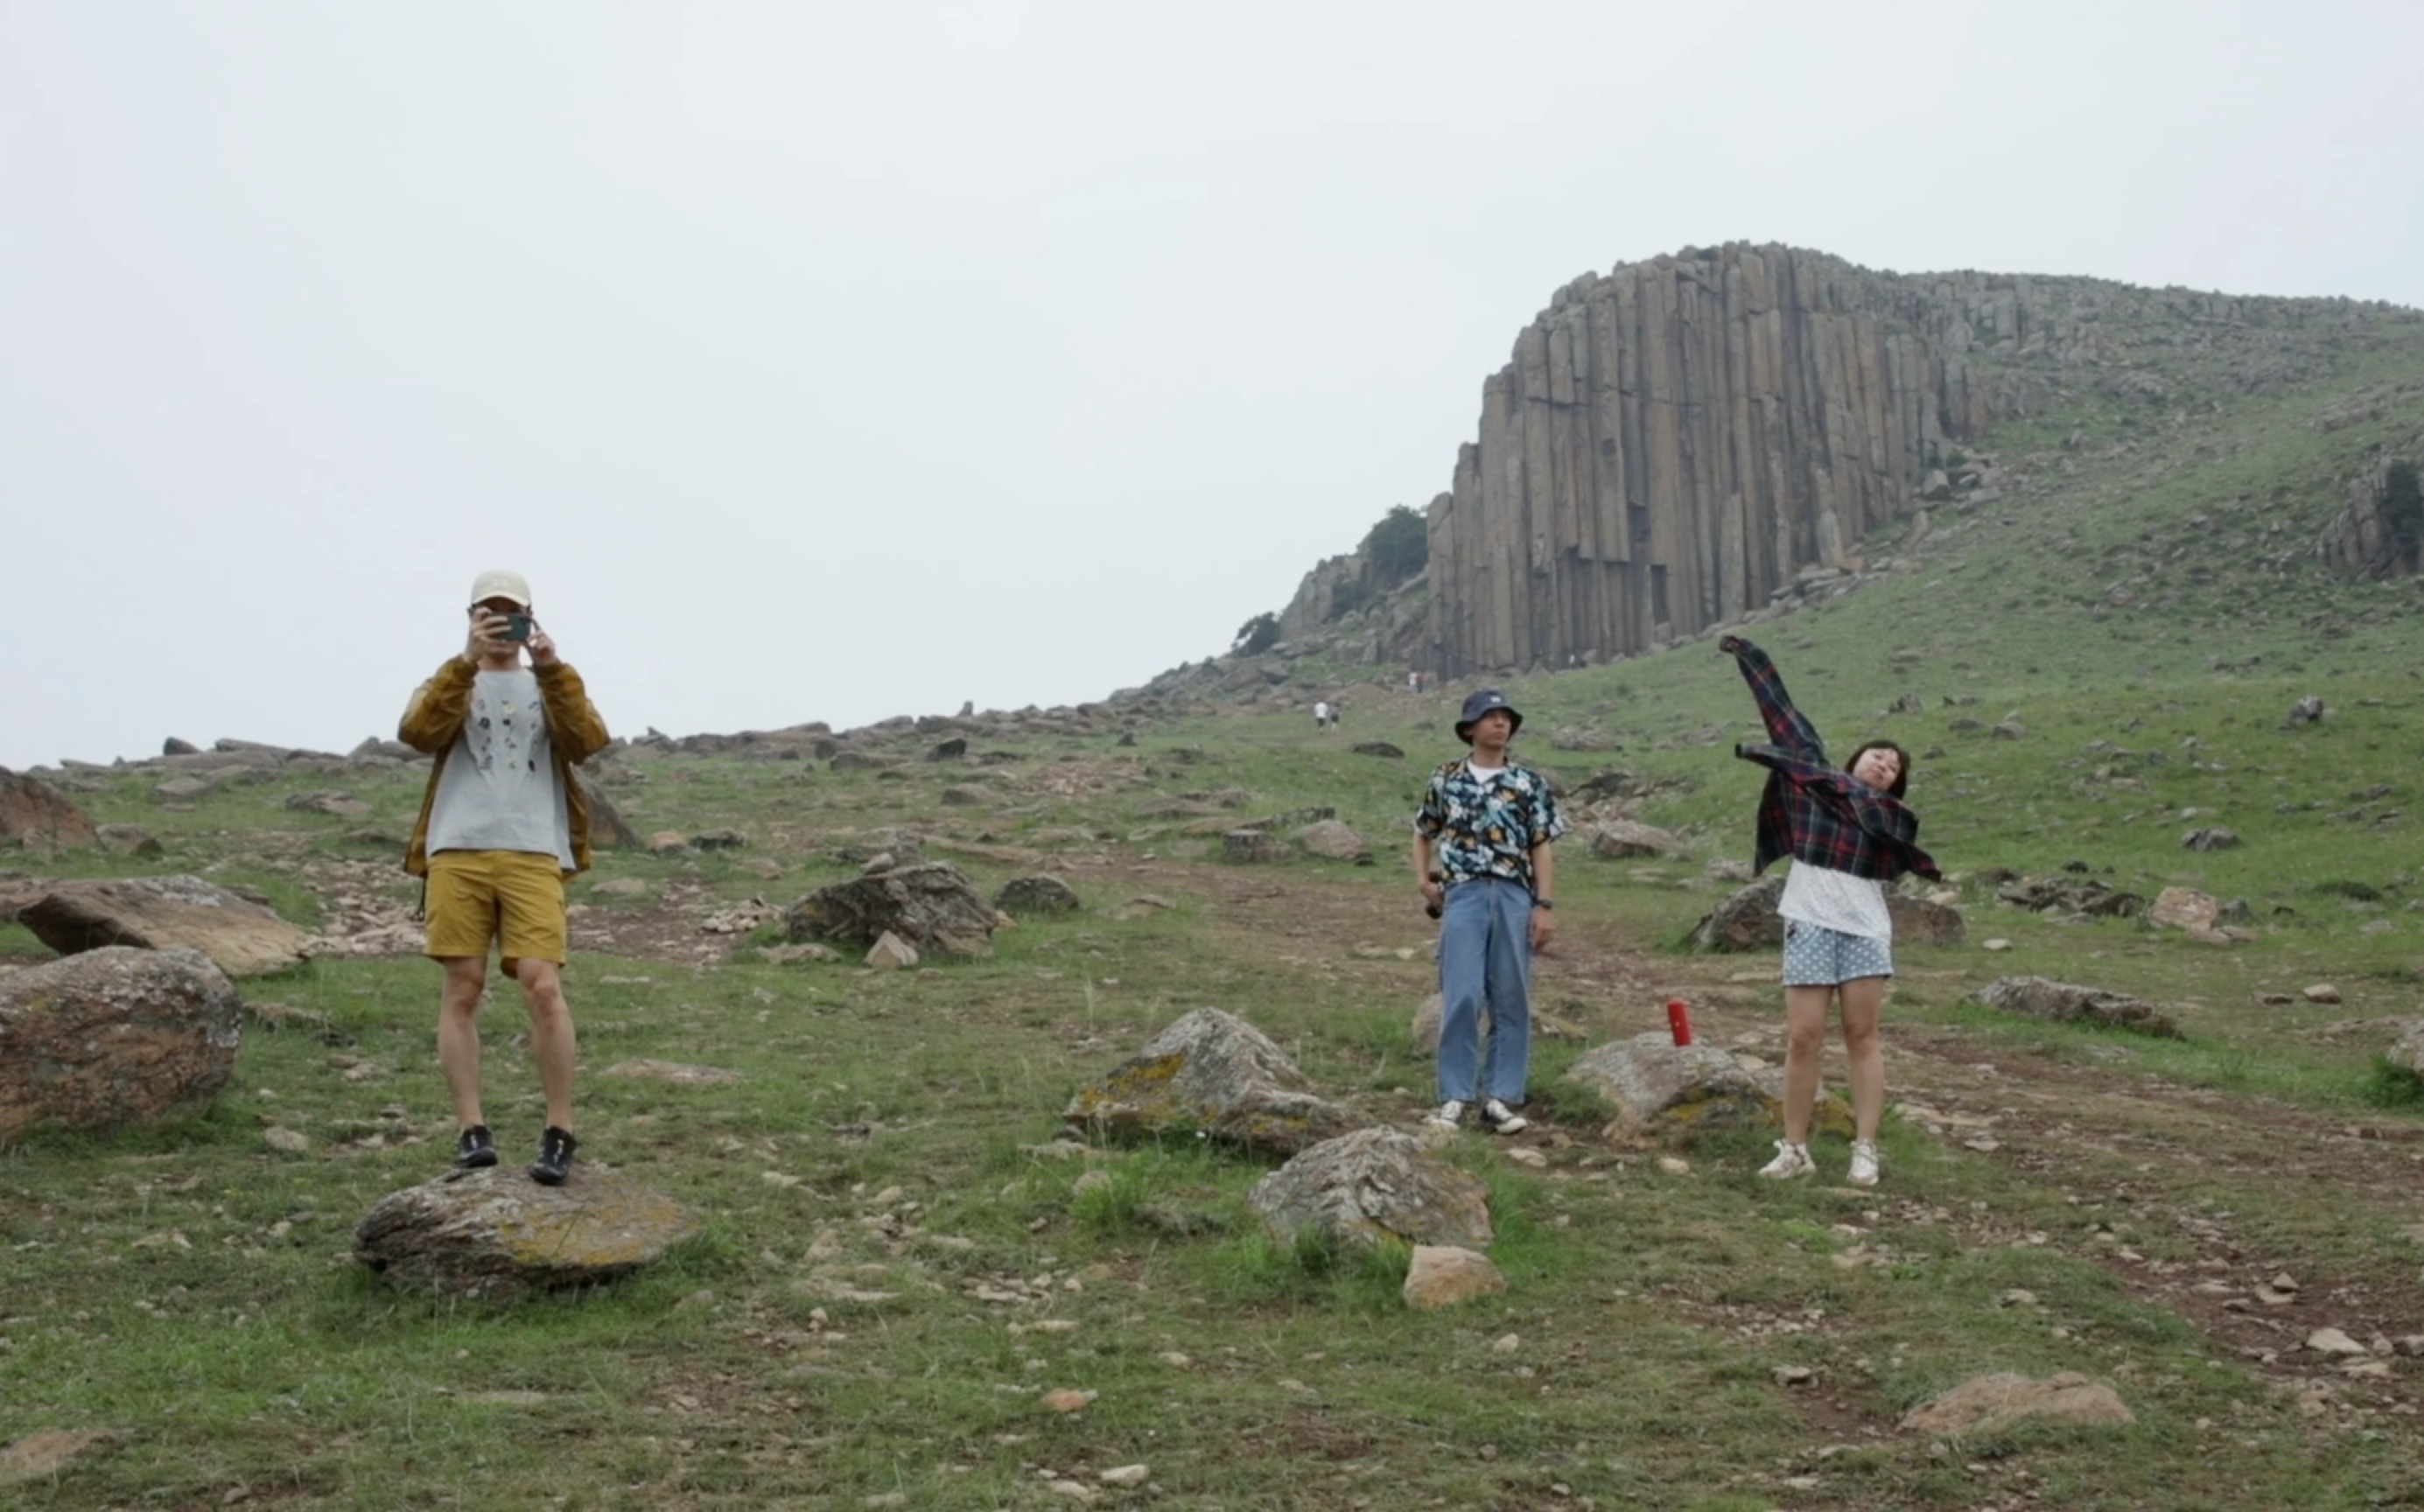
pixel 459 1034
pixel 1863 997
pixel 1804 1036
pixel 552 1045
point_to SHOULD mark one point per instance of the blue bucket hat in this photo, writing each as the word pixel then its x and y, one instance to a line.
pixel 1480 702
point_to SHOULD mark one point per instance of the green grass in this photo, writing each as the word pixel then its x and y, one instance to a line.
pixel 191 1291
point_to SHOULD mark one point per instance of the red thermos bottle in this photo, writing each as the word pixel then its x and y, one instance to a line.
pixel 1679 1020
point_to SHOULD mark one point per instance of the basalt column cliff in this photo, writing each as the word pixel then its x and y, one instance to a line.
pixel 1674 440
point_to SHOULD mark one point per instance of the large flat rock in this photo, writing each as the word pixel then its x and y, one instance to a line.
pixel 2062 1002
pixel 1375 1186
pixel 1211 1073
pixel 498 1235
pixel 114 1036
pixel 165 914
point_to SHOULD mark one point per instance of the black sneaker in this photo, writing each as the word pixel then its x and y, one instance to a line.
pixel 555 1160
pixel 473 1148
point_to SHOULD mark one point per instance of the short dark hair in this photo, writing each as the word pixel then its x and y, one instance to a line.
pixel 1902 771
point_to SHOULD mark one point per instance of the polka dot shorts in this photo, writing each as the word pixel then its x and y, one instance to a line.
pixel 1815 956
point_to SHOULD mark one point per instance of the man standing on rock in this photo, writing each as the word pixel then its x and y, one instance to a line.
pixel 503 824
pixel 1483 859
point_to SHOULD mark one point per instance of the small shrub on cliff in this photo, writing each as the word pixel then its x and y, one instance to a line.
pixel 2403 510
pixel 1399 547
pixel 1257 635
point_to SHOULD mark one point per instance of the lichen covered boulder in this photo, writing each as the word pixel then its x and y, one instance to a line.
pixel 497 1235
pixel 1372 1187
pixel 1213 1073
pixel 1653 1083
pixel 111 1038
pixel 931 906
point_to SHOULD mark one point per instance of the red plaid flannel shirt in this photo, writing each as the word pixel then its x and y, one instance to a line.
pixel 1812 810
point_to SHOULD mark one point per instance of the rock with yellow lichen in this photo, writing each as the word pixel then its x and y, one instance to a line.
pixel 1657 1085
pixel 1211 1074
pixel 497 1235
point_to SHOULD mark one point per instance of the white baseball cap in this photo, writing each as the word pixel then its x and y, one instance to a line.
pixel 501 584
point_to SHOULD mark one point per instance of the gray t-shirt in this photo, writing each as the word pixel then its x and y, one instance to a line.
pixel 499 790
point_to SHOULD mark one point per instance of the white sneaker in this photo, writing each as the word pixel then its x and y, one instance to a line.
pixel 1448 1115
pixel 1502 1119
pixel 1864 1163
pixel 1791 1160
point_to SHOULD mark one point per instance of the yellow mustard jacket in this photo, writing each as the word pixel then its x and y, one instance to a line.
pixel 575 732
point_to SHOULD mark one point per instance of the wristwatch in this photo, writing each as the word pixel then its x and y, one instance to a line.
pixel 1543 902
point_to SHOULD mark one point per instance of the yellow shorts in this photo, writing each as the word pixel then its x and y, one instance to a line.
pixel 513 897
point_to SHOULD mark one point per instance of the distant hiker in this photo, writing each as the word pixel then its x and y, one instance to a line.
pixel 1320 715
pixel 501 825
pixel 1482 858
pixel 1848 834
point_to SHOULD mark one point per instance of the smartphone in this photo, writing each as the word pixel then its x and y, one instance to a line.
pixel 517 627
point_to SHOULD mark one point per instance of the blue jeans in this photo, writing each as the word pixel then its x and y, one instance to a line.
pixel 1485 957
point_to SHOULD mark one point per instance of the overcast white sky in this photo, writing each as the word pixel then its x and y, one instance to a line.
pixel 826 361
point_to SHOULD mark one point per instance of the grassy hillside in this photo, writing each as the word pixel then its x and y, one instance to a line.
pixel 897 1262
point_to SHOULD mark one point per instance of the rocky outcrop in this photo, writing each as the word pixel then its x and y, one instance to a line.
pixel 114 1036
pixel 243 937
pixel 1988 1403
pixel 1747 920
pixel 1677 442
pixel 1033 897
pixel 1211 1073
pixel 931 906
pixel 2364 539
pixel 2061 1002
pixel 1653 1083
pixel 34 813
pixel 497 1235
pixel 1372 1187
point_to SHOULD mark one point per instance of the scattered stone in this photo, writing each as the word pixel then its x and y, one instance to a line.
pixel 2063 1003
pixel 2092 900
pixel 182 789
pixel 859 761
pixel 1997 946
pixel 1250 846
pixel 1041 894
pixel 2184 908
pixel 2307 710
pixel 890 952
pixel 1378 748
pixel 1065 1400
pixel 1212 1072
pixel 1789 1375
pixel 1335 841
pixel 2009 729
pixel 1989 1403
pixel 1371 1188
pixel 497 1235
pixel 34 813
pixel 2214 839
pixel 1674 1164
pixel 2406 1051
pixel 39 1457
pixel 1747 920
pixel 342 805
pixel 620 887
pixel 1449 1275
pixel 2334 1341
pixel 931 906
pixel 128 840
pixel 671 1073
pixel 113 1037
pixel 286 1141
pixel 1624 839
pixel 1124 1475
pixel 1657 1085
pixel 668 843
pixel 783 955
pixel 954 749
pixel 165 914
pixel 719 840
pixel 2321 992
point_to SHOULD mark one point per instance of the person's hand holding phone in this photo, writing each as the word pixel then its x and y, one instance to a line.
pixel 542 647
pixel 487 640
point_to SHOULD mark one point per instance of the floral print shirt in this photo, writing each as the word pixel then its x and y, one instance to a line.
pixel 1487 827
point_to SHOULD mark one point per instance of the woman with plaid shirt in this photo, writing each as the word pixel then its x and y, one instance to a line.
pixel 1848 834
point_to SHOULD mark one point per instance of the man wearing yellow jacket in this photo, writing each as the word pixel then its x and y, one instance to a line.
pixel 503 824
